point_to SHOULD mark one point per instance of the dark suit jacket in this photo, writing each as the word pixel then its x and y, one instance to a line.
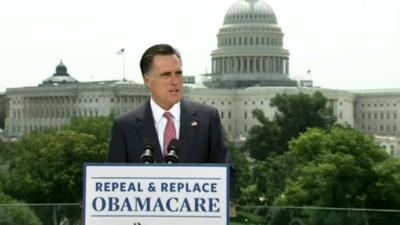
pixel 200 138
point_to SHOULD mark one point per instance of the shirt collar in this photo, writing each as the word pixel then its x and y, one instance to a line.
pixel 158 112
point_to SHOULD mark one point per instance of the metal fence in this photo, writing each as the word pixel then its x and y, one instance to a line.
pixel 71 214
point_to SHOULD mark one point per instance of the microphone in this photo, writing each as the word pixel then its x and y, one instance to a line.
pixel 172 155
pixel 147 156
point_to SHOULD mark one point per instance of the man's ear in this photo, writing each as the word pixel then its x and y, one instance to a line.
pixel 146 80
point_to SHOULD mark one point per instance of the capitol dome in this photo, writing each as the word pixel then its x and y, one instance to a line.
pixel 250 49
pixel 250 11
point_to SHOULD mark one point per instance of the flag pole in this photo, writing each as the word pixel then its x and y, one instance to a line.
pixel 123 67
pixel 122 52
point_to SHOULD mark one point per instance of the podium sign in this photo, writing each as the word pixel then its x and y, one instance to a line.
pixel 157 194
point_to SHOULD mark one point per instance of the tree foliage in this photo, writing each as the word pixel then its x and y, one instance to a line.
pixel 241 172
pixel 100 126
pixel 2 111
pixel 263 138
pixel 341 168
pixel 15 212
pixel 295 113
pixel 46 166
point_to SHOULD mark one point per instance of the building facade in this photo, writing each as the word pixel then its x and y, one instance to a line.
pixel 249 67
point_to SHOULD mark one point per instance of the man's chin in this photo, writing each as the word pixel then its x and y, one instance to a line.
pixel 176 99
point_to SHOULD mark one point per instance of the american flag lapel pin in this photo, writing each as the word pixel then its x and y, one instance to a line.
pixel 194 124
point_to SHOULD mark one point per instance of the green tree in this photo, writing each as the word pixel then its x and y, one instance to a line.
pixel 264 138
pixel 2 110
pixel 13 212
pixel 100 126
pixel 297 112
pixel 48 165
pixel 44 166
pixel 269 177
pixel 241 173
pixel 340 168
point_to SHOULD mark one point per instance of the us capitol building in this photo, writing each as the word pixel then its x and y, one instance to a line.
pixel 249 67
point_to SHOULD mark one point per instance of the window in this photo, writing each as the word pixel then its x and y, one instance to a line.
pixel 245 115
pixel 222 115
pixel 229 115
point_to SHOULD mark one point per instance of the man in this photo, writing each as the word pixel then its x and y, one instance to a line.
pixel 167 116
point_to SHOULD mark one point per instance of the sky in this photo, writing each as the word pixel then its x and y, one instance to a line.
pixel 346 44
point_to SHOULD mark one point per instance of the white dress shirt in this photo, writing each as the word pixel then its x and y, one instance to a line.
pixel 160 121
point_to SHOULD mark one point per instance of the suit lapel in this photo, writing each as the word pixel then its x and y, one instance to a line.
pixel 146 129
pixel 188 130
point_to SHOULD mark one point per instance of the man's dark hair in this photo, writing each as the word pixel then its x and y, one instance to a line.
pixel 146 62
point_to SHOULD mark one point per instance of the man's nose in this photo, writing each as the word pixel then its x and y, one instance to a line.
pixel 175 79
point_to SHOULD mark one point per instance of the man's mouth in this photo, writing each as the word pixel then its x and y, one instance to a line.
pixel 174 91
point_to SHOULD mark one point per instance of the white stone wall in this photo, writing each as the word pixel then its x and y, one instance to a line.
pixel 50 107
pixel 378 113
pixel 39 108
pixel 239 104
pixel 390 144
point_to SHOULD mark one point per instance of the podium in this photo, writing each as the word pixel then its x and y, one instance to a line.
pixel 156 194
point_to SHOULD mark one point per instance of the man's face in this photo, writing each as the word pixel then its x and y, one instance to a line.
pixel 165 80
